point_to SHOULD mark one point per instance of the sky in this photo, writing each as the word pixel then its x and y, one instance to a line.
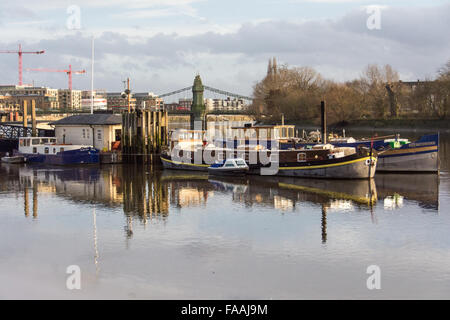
pixel 162 44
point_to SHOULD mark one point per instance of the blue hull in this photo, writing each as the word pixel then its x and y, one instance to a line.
pixel 81 156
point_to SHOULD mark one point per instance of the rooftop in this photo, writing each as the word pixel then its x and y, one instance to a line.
pixel 90 119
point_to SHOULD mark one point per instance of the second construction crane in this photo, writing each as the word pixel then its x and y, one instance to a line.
pixel 69 72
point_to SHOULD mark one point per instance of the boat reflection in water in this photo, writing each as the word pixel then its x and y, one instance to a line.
pixel 148 194
pixel 394 189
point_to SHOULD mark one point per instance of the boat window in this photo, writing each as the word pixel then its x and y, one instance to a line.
pixel 229 164
pixel 54 150
pixel 53 140
pixel 240 162
pixel 44 140
pixel 284 132
pixel 276 133
pixel 36 141
pixel 21 143
pixel 61 149
pixel 34 150
pixel 291 132
pixel 301 157
pixel 99 134
pixel 84 133
pixel 46 150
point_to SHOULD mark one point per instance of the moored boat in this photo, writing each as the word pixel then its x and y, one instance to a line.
pixel 13 159
pixel 396 154
pixel 46 150
pixel 232 167
pixel 318 161
pixel 418 156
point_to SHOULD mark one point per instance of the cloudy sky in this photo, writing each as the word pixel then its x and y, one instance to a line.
pixel 162 44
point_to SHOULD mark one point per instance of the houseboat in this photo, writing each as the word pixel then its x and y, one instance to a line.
pixel 47 150
pixel 396 154
pixel 318 161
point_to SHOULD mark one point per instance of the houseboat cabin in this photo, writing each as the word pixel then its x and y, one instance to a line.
pixel 48 150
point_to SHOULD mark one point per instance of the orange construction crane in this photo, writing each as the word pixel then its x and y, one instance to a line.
pixel 69 72
pixel 20 52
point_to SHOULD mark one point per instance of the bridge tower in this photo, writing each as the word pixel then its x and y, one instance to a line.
pixel 198 105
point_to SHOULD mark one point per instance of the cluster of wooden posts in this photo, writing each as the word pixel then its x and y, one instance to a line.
pixel 144 133
pixel 33 116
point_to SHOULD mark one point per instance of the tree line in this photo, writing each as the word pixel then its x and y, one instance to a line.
pixel 378 93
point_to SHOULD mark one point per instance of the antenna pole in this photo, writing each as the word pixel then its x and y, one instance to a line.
pixel 92 77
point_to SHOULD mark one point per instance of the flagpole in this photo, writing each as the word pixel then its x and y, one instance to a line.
pixel 92 77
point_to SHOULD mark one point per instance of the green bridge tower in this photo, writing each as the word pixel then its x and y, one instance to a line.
pixel 198 105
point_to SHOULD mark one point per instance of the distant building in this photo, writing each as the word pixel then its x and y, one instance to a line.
pixel 185 104
pixel 98 130
pixel 13 97
pixel 100 101
pixel 115 101
pixel 149 101
pixel 69 99
pixel 226 105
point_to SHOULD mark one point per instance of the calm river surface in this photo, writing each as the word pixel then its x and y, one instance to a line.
pixel 140 232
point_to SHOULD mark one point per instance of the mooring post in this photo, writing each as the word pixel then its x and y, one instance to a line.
pixel 166 141
pixel 25 117
pixel 159 131
pixel 153 131
pixel 149 132
pixel 33 118
pixel 323 113
pixel 144 133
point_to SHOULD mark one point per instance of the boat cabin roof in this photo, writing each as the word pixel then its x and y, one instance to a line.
pixel 265 131
pixel 184 134
pixel 236 162
pixel 39 140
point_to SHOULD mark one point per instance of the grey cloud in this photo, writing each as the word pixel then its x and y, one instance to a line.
pixel 412 40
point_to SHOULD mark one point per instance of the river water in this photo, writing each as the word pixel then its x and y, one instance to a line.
pixel 140 232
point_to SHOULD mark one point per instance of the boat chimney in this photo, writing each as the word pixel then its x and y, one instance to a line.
pixel 323 113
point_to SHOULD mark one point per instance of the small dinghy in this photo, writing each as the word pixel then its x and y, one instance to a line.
pixel 227 167
pixel 13 159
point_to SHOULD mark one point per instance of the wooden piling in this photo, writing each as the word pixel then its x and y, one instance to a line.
pixel 323 113
pixel 145 132
pixel 25 115
pixel 33 118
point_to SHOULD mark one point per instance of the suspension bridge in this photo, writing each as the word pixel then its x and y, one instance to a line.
pixel 210 89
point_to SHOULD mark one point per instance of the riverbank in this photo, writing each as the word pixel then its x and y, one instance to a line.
pixel 419 125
